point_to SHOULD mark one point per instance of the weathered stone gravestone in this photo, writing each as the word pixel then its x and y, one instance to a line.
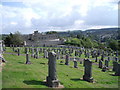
pixel 37 54
pixel 45 54
pixel 108 58
pixel 58 55
pixel 18 51
pixel 100 64
pixel 32 50
pixel 75 63
pixel 114 66
pixel 102 57
pixel 117 71
pixel 96 59
pixel 27 59
pixel 67 60
pixel 106 63
pixel 104 69
pixel 52 80
pixel 88 71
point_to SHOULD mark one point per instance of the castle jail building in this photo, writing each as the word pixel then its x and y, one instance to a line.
pixel 42 39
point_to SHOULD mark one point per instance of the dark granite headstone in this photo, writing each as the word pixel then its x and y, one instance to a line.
pixel 88 71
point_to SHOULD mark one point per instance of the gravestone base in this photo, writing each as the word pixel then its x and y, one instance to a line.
pixel 75 67
pixel 28 63
pixel 52 83
pixel 104 69
pixel 89 79
pixel 66 64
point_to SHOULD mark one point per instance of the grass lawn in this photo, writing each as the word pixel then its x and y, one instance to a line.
pixel 16 74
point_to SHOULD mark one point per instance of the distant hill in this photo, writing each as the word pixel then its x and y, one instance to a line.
pixel 104 32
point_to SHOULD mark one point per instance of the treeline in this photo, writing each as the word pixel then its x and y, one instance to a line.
pixel 92 41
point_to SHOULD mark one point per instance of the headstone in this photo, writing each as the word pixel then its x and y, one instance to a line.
pixel 52 80
pixel 106 63
pixel 18 51
pixel 75 63
pixel 32 50
pixel 88 71
pixel 96 59
pixel 100 64
pixel 102 57
pixel 108 58
pixel 27 59
pixel 114 66
pixel 45 54
pixel 37 54
pixel 117 71
pixel 104 69
pixel 67 60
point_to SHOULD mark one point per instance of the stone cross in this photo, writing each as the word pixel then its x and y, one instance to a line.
pixel 52 80
pixel 88 71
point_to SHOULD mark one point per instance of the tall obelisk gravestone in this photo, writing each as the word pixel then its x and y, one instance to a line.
pixel 52 80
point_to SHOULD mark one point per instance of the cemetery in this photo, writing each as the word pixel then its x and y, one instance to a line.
pixel 60 44
pixel 59 67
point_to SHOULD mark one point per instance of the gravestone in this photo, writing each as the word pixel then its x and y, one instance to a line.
pixel 67 60
pixel 27 59
pixel 100 64
pixel 104 69
pixel 102 57
pixel 117 71
pixel 37 54
pixel 108 58
pixel 88 71
pixel 75 63
pixel 96 59
pixel 45 54
pixel 106 63
pixel 18 51
pixel 114 66
pixel 32 50
pixel 52 80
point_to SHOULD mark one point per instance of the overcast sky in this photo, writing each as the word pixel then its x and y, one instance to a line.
pixel 59 15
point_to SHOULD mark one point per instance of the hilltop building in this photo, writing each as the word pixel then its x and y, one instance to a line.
pixel 37 38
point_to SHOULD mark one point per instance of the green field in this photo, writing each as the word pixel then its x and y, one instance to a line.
pixel 16 74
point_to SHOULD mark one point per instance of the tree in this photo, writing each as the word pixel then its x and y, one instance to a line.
pixel 14 39
pixel 113 44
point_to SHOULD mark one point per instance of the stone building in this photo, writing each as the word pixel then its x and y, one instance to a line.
pixel 42 39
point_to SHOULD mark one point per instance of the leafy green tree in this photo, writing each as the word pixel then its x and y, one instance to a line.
pixel 113 44
pixel 14 39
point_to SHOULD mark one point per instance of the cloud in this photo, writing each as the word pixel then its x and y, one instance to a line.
pixel 44 15
pixel 13 23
